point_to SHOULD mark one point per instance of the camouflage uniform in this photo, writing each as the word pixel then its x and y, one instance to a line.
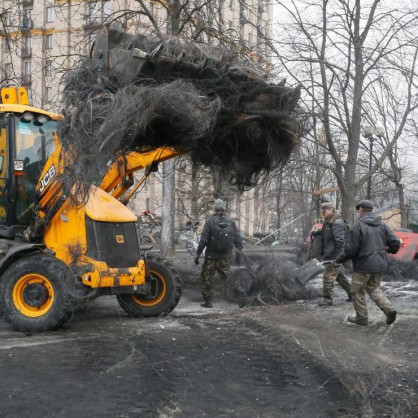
pixel 209 268
pixel 370 283
pixel 332 237
pixel 334 274
pixel 367 244
pixel 216 259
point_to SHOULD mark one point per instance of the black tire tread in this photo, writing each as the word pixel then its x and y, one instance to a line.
pixel 133 309
pixel 58 314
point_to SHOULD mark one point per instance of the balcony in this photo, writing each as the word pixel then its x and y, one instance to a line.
pixel 26 53
pixel 26 80
pixel 26 24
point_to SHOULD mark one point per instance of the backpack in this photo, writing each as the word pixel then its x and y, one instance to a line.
pixel 223 235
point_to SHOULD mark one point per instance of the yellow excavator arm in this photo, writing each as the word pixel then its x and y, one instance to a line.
pixel 119 177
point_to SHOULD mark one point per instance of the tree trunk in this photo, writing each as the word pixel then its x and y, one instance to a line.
pixel 167 246
pixel 257 209
pixel 175 17
pixel 348 202
pixel 402 207
pixel 247 215
pixel 218 184
pixel 194 209
pixel 279 190
pixel 238 209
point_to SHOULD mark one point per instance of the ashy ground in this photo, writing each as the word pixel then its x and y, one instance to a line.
pixel 294 359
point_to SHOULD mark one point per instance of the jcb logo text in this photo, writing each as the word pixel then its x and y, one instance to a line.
pixel 46 179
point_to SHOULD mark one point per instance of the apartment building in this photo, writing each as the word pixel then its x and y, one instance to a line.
pixel 41 40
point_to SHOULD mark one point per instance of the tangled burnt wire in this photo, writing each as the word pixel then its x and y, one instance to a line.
pixel 180 95
pixel 262 280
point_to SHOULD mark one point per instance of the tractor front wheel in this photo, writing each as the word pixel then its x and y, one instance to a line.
pixel 35 293
pixel 162 291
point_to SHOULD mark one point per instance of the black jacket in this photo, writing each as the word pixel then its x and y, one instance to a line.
pixel 207 234
pixel 367 244
pixel 333 236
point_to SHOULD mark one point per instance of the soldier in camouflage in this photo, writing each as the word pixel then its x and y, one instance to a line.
pixel 332 236
pixel 367 244
pixel 217 256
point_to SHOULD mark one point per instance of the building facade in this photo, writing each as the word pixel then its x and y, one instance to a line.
pixel 42 40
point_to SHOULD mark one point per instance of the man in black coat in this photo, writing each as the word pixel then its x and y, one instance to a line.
pixel 219 236
pixel 367 244
pixel 333 234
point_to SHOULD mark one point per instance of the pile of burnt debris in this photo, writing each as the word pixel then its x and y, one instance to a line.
pixel 136 93
pixel 259 279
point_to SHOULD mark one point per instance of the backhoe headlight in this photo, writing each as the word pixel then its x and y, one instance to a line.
pixel 42 119
pixel 28 117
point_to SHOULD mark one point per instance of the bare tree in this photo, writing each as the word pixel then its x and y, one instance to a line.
pixel 341 51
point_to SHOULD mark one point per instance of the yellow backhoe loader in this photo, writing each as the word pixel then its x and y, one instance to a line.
pixel 74 252
pixel 57 251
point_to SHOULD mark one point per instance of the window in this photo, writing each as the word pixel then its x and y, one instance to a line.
pixel 27 42
pixel 48 67
pixel 50 14
pixel 48 94
pixel 27 72
pixel 34 143
pixel 8 70
pixel 8 19
pixel 6 45
pixel 107 9
pixel 27 68
pixel 26 23
pixel 48 42
pixel 30 96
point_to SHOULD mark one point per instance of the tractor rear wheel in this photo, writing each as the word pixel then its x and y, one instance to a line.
pixel 163 291
pixel 36 293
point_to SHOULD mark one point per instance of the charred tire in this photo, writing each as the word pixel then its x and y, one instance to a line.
pixel 165 292
pixel 241 284
pixel 35 293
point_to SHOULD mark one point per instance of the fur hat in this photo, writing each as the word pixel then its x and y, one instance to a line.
pixel 326 205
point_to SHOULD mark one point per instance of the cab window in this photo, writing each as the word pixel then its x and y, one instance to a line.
pixel 34 144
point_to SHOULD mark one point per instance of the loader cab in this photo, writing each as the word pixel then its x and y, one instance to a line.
pixel 26 141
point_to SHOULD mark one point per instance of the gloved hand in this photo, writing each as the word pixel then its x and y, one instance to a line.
pixel 196 259
pixel 238 258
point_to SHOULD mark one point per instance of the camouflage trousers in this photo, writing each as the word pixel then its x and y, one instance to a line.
pixel 331 275
pixel 370 283
pixel 209 268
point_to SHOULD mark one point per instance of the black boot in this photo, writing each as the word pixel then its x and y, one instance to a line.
pixel 391 317
pixel 207 303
